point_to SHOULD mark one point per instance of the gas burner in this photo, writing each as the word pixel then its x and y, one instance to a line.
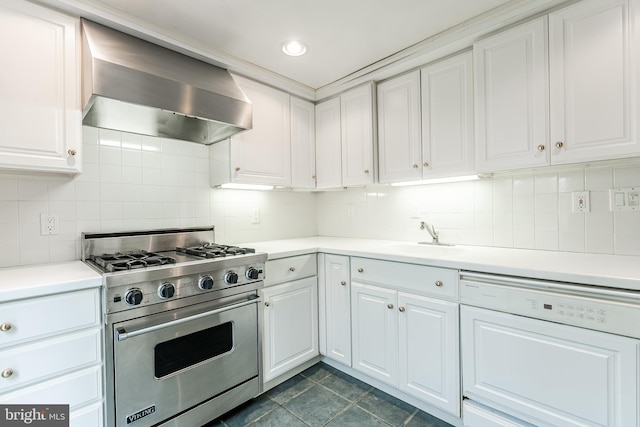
pixel 131 260
pixel 214 250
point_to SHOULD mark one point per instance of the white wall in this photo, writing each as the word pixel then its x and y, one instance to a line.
pixel 523 210
pixel 133 182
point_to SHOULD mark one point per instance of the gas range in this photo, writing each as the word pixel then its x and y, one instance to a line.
pixel 142 268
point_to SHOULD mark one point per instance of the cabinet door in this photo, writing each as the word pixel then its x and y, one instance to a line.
pixel 593 99
pixel 39 83
pixel 290 326
pixel 262 155
pixel 356 114
pixel 328 145
pixel 549 374
pixel 338 308
pixel 303 144
pixel 510 72
pixel 399 129
pixel 374 332
pixel 428 351
pixel 447 117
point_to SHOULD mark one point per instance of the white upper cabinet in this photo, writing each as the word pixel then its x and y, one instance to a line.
pixel 447 117
pixel 594 95
pixel 303 144
pixel 328 145
pixel 399 135
pixel 356 118
pixel 425 122
pixel 511 98
pixel 41 124
pixel 262 155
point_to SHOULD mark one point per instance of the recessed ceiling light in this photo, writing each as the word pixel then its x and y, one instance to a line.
pixel 294 48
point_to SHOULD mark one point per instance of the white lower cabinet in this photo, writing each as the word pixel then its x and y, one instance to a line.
pixel 405 339
pixel 290 327
pixel 51 353
pixel 337 319
pixel 547 374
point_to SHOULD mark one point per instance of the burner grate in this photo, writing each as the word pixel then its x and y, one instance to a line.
pixel 214 250
pixel 131 260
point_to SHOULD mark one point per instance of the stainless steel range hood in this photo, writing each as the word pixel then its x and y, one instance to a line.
pixel 135 86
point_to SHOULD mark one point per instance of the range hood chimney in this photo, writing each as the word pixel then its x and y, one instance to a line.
pixel 132 85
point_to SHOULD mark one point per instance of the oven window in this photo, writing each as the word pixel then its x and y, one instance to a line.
pixel 180 353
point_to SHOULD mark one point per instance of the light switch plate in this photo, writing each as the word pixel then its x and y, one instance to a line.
pixel 624 199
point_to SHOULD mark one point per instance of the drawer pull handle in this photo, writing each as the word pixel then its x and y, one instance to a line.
pixel 559 144
pixel 292 269
pixel 360 270
pixel 401 309
pixel 6 326
pixel 343 283
pixel 71 152
pixel 7 373
pixel 541 148
pixel 267 303
pixel 438 283
pixel 389 306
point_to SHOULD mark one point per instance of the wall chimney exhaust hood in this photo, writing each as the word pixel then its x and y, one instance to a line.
pixel 131 85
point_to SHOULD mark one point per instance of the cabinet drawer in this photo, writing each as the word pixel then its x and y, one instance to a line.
pixel 76 389
pixel 40 317
pixel 291 268
pixel 90 416
pixel 44 359
pixel 423 279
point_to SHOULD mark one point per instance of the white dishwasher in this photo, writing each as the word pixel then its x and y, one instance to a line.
pixel 540 353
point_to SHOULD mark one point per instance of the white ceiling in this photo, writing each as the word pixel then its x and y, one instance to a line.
pixel 343 36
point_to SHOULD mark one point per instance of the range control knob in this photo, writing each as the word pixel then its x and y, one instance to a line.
pixel 166 290
pixel 231 277
pixel 205 282
pixel 252 273
pixel 133 296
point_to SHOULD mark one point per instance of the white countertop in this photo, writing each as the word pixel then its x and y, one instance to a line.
pixel 617 271
pixel 45 279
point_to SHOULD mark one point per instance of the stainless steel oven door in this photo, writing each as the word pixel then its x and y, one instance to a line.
pixel 169 362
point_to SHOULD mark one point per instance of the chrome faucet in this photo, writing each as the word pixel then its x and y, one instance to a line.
pixel 431 230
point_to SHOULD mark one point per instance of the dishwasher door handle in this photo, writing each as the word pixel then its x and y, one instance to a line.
pixel 124 334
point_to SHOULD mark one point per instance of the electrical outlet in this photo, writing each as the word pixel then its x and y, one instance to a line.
pixel 49 224
pixel 581 201
pixel 256 216
pixel 350 211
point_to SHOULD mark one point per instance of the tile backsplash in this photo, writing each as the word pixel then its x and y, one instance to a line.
pixel 134 182
pixel 525 209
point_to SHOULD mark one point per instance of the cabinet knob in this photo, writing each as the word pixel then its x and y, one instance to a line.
pixel 292 269
pixel 541 148
pixel 267 303
pixel 415 166
pixel 389 306
pixel 401 309
pixel 559 144
pixel 237 168
pixel 425 164
pixel 7 373
pixel 313 177
pixel 438 283
pixel 366 171
pixel 343 283
pixel 6 326
pixel 360 270
pixel 71 151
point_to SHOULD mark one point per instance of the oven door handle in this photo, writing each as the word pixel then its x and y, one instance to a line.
pixel 123 334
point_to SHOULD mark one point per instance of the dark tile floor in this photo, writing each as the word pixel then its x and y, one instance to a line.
pixel 324 396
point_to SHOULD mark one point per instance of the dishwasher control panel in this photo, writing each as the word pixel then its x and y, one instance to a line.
pixel 597 313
